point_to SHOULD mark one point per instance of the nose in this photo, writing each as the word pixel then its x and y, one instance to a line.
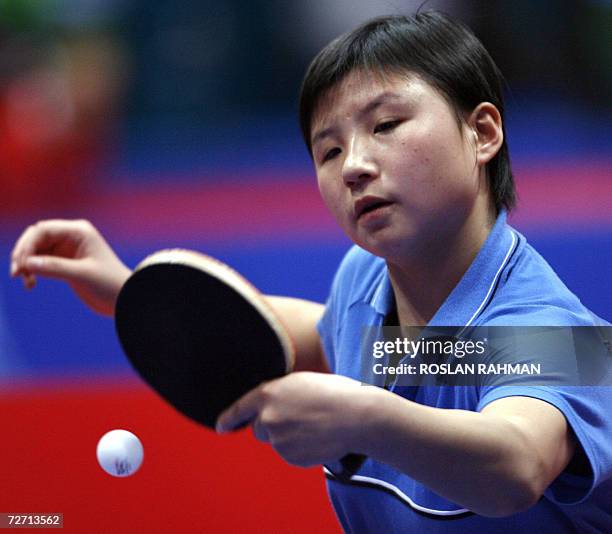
pixel 359 165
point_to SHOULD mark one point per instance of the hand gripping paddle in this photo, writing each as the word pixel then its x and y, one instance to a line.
pixel 202 336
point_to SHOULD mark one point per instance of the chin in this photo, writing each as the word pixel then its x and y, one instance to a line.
pixel 393 248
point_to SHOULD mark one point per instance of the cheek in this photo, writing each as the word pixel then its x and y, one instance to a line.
pixel 412 165
pixel 334 197
pixel 323 187
pixel 414 150
pixel 430 161
pixel 329 193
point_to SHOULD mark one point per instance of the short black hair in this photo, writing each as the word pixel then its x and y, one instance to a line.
pixel 442 51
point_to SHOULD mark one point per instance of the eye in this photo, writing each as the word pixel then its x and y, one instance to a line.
pixel 386 126
pixel 330 154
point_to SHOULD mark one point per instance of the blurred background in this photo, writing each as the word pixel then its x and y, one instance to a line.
pixel 175 124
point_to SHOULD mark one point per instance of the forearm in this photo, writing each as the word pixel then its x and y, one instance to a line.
pixel 479 461
pixel 300 317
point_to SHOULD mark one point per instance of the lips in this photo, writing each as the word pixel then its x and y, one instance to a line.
pixel 369 203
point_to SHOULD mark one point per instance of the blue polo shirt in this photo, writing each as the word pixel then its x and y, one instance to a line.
pixel 508 284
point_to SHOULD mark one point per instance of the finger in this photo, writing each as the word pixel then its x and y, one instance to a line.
pixel 53 267
pixel 260 432
pixel 18 249
pixel 241 413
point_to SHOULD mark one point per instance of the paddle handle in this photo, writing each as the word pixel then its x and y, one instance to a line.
pixel 350 465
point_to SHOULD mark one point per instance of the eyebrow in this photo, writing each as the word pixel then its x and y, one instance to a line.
pixel 376 102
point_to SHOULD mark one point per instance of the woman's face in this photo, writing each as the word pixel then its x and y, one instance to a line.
pixel 393 164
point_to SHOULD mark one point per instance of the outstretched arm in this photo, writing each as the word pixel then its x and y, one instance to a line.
pixel 74 251
pixel 495 463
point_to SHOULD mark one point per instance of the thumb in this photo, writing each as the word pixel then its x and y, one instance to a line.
pixel 53 267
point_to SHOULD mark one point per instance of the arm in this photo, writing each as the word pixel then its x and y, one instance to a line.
pixel 495 463
pixel 300 317
pixel 75 252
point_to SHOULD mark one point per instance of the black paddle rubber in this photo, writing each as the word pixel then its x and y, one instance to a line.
pixel 199 343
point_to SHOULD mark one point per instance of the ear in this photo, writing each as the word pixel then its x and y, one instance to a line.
pixel 486 124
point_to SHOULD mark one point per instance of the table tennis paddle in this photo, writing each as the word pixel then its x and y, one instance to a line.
pixel 202 336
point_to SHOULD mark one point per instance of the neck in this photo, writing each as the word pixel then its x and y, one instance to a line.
pixel 422 282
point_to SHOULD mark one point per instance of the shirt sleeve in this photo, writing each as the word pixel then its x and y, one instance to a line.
pixel 587 411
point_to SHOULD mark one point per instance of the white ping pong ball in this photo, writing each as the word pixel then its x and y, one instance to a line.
pixel 119 453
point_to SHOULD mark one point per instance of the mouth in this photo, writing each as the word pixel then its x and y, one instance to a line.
pixel 369 204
